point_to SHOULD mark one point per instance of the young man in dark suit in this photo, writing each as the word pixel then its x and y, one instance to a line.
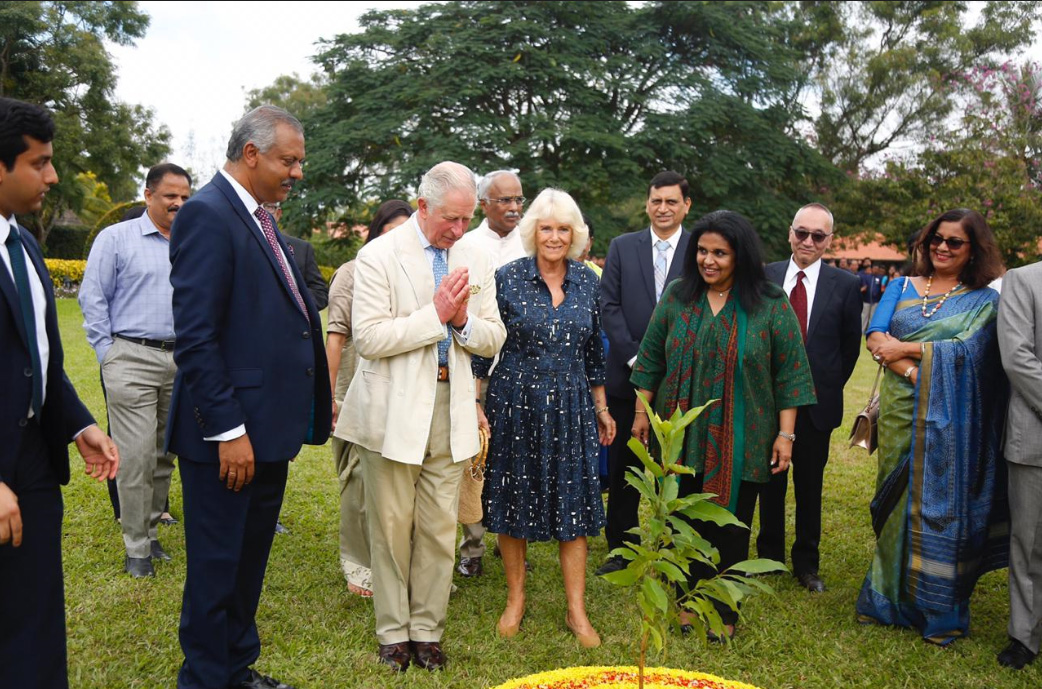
pixel 40 415
pixel 827 302
pixel 638 267
pixel 251 388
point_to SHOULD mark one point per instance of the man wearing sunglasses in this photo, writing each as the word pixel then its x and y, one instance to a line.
pixel 827 302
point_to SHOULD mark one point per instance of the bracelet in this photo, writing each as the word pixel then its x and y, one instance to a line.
pixel 602 410
pixel 908 373
pixel 642 410
pixel 922 349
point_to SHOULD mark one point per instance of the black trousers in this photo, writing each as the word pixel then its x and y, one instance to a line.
pixel 623 499
pixel 228 539
pixel 732 542
pixel 32 587
pixel 810 454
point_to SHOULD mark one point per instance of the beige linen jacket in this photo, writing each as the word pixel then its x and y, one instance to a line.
pixel 390 403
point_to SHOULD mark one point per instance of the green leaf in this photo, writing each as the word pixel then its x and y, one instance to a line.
pixel 711 512
pixel 655 594
pixel 759 566
pixel 670 571
pixel 638 449
pixel 643 484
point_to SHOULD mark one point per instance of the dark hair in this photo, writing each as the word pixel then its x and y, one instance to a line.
pixel 157 172
pixel 750 282
pixel 17 121
pixel 589 226
pixel 985 262
pixel 133 212
pixel 668 178
pixel 388 211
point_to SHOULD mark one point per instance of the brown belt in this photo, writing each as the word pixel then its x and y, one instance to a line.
pixel 443 373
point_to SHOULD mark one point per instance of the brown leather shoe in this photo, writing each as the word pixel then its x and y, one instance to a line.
pixel 470 567
pixel 428 655
pixel 396 656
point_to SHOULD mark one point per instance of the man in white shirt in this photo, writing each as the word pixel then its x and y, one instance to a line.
pixel 502 202
pixel 638 268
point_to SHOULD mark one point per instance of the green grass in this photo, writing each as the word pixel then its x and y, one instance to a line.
pixel 123 632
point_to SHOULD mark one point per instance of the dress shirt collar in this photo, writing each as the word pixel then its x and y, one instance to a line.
pixel 147 225
pixel 424 242
pixel 673 239
pixel 484 229
pixel 244 196
pixel 5 228
pixel 812 271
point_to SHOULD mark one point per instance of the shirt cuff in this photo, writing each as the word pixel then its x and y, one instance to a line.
pixel 631 362
pixel 102 349
pixel 234 433
pixel 463 335
pixel 78 433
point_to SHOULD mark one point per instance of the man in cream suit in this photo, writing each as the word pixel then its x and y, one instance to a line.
pixel 1020 342
pixel 426 308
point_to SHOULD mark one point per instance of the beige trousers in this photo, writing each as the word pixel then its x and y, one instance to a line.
pixel 354 530
pixel 412 513
pixel 138 384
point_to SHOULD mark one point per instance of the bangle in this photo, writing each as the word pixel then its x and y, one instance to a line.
pixel 602 410
pixel 640 411
pixel 908 373
pixel 922 349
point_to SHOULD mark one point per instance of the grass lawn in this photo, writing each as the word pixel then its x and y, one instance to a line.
pixel 123 632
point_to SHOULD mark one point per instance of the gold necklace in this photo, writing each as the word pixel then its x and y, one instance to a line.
pixel 926 295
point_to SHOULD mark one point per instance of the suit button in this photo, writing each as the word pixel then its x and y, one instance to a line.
pixel 310 372
pixel 28 373
pixel 307 334
pixel 23 422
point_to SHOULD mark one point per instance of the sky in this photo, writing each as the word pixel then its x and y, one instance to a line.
pixel 198 60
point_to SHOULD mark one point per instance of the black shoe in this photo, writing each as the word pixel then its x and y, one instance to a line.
pixel 139 567
pixel 280 529
pixel 612 564
pixel 812 582
pixel 428 655
pixel 256 680
pixel 168 521
pixel 396 656
pixel 470 567
pixel 1016 655
pixel 158 553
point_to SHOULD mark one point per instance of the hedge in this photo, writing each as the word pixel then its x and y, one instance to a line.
pixel 66 241
pixel 65 270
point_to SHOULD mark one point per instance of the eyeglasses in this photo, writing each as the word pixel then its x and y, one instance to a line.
pixel 954 243
pixel 507 200
pixel 818 237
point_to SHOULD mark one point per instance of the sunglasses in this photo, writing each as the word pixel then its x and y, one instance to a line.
pixel 954 243
pixel 818 237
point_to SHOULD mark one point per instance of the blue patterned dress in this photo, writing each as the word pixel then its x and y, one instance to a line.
pixel 541 479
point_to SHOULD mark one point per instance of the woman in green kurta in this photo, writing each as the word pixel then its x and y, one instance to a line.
pixel 725 332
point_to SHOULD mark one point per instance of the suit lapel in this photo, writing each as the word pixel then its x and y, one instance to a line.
pixel 676 268
pixel 414 263
pixel 647 265
pixel 11 294
pixel 9 290
pixel 823 293
pixel 257 234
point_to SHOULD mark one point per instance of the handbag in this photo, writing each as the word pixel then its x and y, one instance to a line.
pixel 471 484
pixel 865 432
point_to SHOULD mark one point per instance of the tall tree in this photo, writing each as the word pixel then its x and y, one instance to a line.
pixel 591 97
pixel 885 78
pixel 52 54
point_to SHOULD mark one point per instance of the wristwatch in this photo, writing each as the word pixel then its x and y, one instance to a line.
pixel 791 437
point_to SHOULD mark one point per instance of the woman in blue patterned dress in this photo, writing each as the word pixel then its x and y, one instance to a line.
pixel 546 408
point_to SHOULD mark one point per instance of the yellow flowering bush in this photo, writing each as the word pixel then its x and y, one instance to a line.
pixel 327 272
pixel 621 678
pixel 63 270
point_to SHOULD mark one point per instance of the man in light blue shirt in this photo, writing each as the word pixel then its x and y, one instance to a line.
pixel 126 299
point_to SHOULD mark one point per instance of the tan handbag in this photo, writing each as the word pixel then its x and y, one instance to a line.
pixel 865 432
pixel 473 481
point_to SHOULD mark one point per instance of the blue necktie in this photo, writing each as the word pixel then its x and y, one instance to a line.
pixel 25 299
pixel 661 246
pixel 441 269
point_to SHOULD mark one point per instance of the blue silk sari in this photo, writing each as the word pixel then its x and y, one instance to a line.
pixel 940 512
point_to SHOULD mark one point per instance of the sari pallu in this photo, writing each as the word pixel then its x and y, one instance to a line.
pixel 940 511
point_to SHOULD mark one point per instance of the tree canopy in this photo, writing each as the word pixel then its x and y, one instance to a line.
pixel 52 54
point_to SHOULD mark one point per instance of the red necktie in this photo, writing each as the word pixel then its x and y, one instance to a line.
pixel 269 233
pixel 798 299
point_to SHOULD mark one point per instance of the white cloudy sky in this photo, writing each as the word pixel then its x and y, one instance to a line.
pixel 199 59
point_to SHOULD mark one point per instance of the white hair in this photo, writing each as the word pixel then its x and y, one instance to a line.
pixel 556 205
pixel 490 178
pixel 443 178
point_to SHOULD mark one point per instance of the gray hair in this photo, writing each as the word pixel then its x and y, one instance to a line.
pixel 258 126
pixel 820 207
pixel 443 178
pixel 488 179
pixel 559 206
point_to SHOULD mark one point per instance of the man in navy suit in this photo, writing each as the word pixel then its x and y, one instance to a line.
pixel 831 324
pixel 39 415
pixel 251 388
pixel 638 267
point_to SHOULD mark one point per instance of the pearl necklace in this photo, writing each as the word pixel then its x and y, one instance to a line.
pixel 926 295
pixel 721 294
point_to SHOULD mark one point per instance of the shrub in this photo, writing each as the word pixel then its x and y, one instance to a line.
pixel 66 241
pixel 65 272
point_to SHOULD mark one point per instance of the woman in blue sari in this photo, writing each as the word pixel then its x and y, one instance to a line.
pixel 939 512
